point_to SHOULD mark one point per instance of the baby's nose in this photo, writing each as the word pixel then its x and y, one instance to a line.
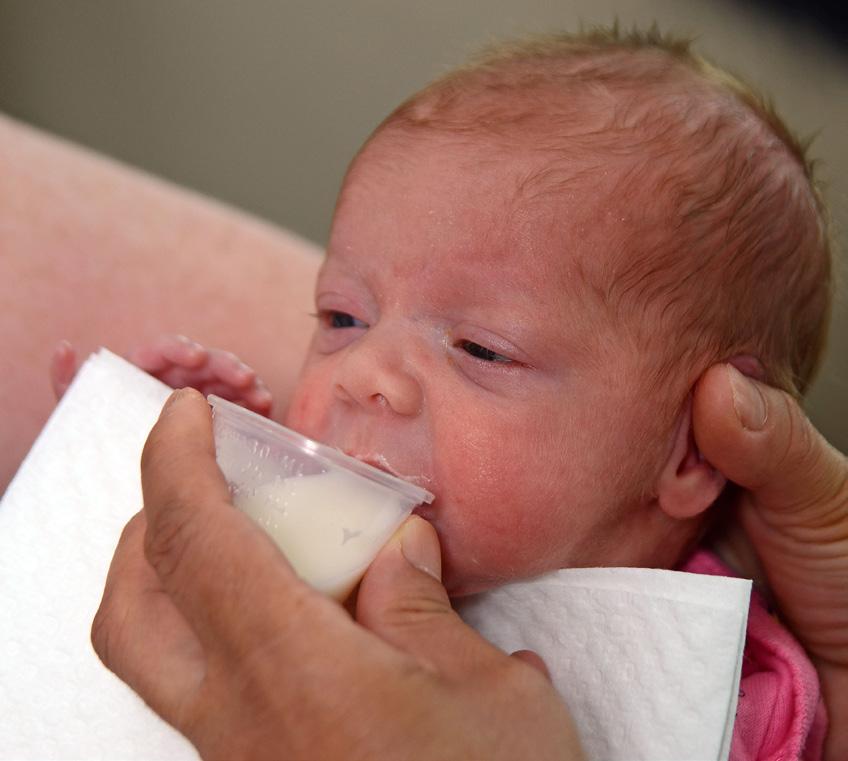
pixel 376 376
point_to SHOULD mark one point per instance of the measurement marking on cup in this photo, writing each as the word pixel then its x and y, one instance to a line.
pixel 347 535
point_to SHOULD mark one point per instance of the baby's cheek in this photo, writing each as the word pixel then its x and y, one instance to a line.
pixel 493 520
pixel 297 411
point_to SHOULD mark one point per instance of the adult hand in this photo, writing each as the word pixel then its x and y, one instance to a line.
pixel 204 618
pixel 794 510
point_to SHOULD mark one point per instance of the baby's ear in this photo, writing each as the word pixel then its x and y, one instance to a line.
pixel 688 484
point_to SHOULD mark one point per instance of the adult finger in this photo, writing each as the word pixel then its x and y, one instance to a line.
pixel 217 566
pixel 795 507
pixel 532 658
pixel 139 634
pixel 795 511
pixel 402 600
pixel 759 438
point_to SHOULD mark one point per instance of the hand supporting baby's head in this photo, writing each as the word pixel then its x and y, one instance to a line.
pixel 531 263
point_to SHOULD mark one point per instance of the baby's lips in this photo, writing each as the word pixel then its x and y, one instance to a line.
pixel 380 462
pixel 375 461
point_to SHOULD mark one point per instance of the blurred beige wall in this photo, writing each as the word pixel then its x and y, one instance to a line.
pixel 262 103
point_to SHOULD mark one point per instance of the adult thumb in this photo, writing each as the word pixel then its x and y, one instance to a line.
pixel 402 600
pixel 759 438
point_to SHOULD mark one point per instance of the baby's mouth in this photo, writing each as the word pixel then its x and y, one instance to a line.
pixel 379 461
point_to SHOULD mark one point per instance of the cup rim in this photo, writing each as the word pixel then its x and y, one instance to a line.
pixel 315 449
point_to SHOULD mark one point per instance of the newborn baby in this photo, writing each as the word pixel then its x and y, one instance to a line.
pixel 530 264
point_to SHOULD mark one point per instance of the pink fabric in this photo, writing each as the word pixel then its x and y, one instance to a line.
pixel 780 715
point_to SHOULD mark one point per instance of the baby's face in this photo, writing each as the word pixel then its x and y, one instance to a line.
pixel 458 346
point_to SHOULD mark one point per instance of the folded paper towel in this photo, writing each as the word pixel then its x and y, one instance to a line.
pixel 648 660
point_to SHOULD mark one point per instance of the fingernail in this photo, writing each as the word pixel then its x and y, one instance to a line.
pixel 169 402
pixel 245 371
pixel 64 346
pixel 262 396
pixel 748 401
pixel 421 548
pixel 178 394
pixel 189 343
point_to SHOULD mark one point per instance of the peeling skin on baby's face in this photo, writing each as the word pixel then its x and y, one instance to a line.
pixel 454 343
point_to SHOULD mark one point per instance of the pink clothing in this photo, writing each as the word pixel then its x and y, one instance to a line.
pixel 780 715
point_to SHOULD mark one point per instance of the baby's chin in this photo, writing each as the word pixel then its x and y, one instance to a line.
pixel 477 558
pixel 462 575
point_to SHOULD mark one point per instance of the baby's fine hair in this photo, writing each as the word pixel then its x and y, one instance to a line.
pixel 726 249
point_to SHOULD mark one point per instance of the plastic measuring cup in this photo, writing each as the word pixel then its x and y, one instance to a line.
pixel 328 512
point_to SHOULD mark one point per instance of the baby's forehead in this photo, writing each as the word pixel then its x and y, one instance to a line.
pixel 614 154
pixel 579 194
pixel 500 190
pixel 549 141
pixel 514 170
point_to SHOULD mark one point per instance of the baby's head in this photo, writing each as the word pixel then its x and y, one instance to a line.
pixel 531 263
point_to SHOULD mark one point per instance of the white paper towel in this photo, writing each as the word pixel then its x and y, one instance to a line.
pixel 648 660
pixel 60 520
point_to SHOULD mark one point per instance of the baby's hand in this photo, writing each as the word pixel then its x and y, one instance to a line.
pixel 178 362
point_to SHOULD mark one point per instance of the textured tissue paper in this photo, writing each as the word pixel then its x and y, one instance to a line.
pixel 648 661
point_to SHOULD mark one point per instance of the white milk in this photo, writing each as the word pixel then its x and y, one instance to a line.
pixel 330 526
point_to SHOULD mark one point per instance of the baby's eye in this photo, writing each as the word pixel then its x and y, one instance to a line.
pixel 334 319
pixel 481 352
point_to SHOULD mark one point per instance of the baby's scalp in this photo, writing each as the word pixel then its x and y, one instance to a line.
pixel 714 242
